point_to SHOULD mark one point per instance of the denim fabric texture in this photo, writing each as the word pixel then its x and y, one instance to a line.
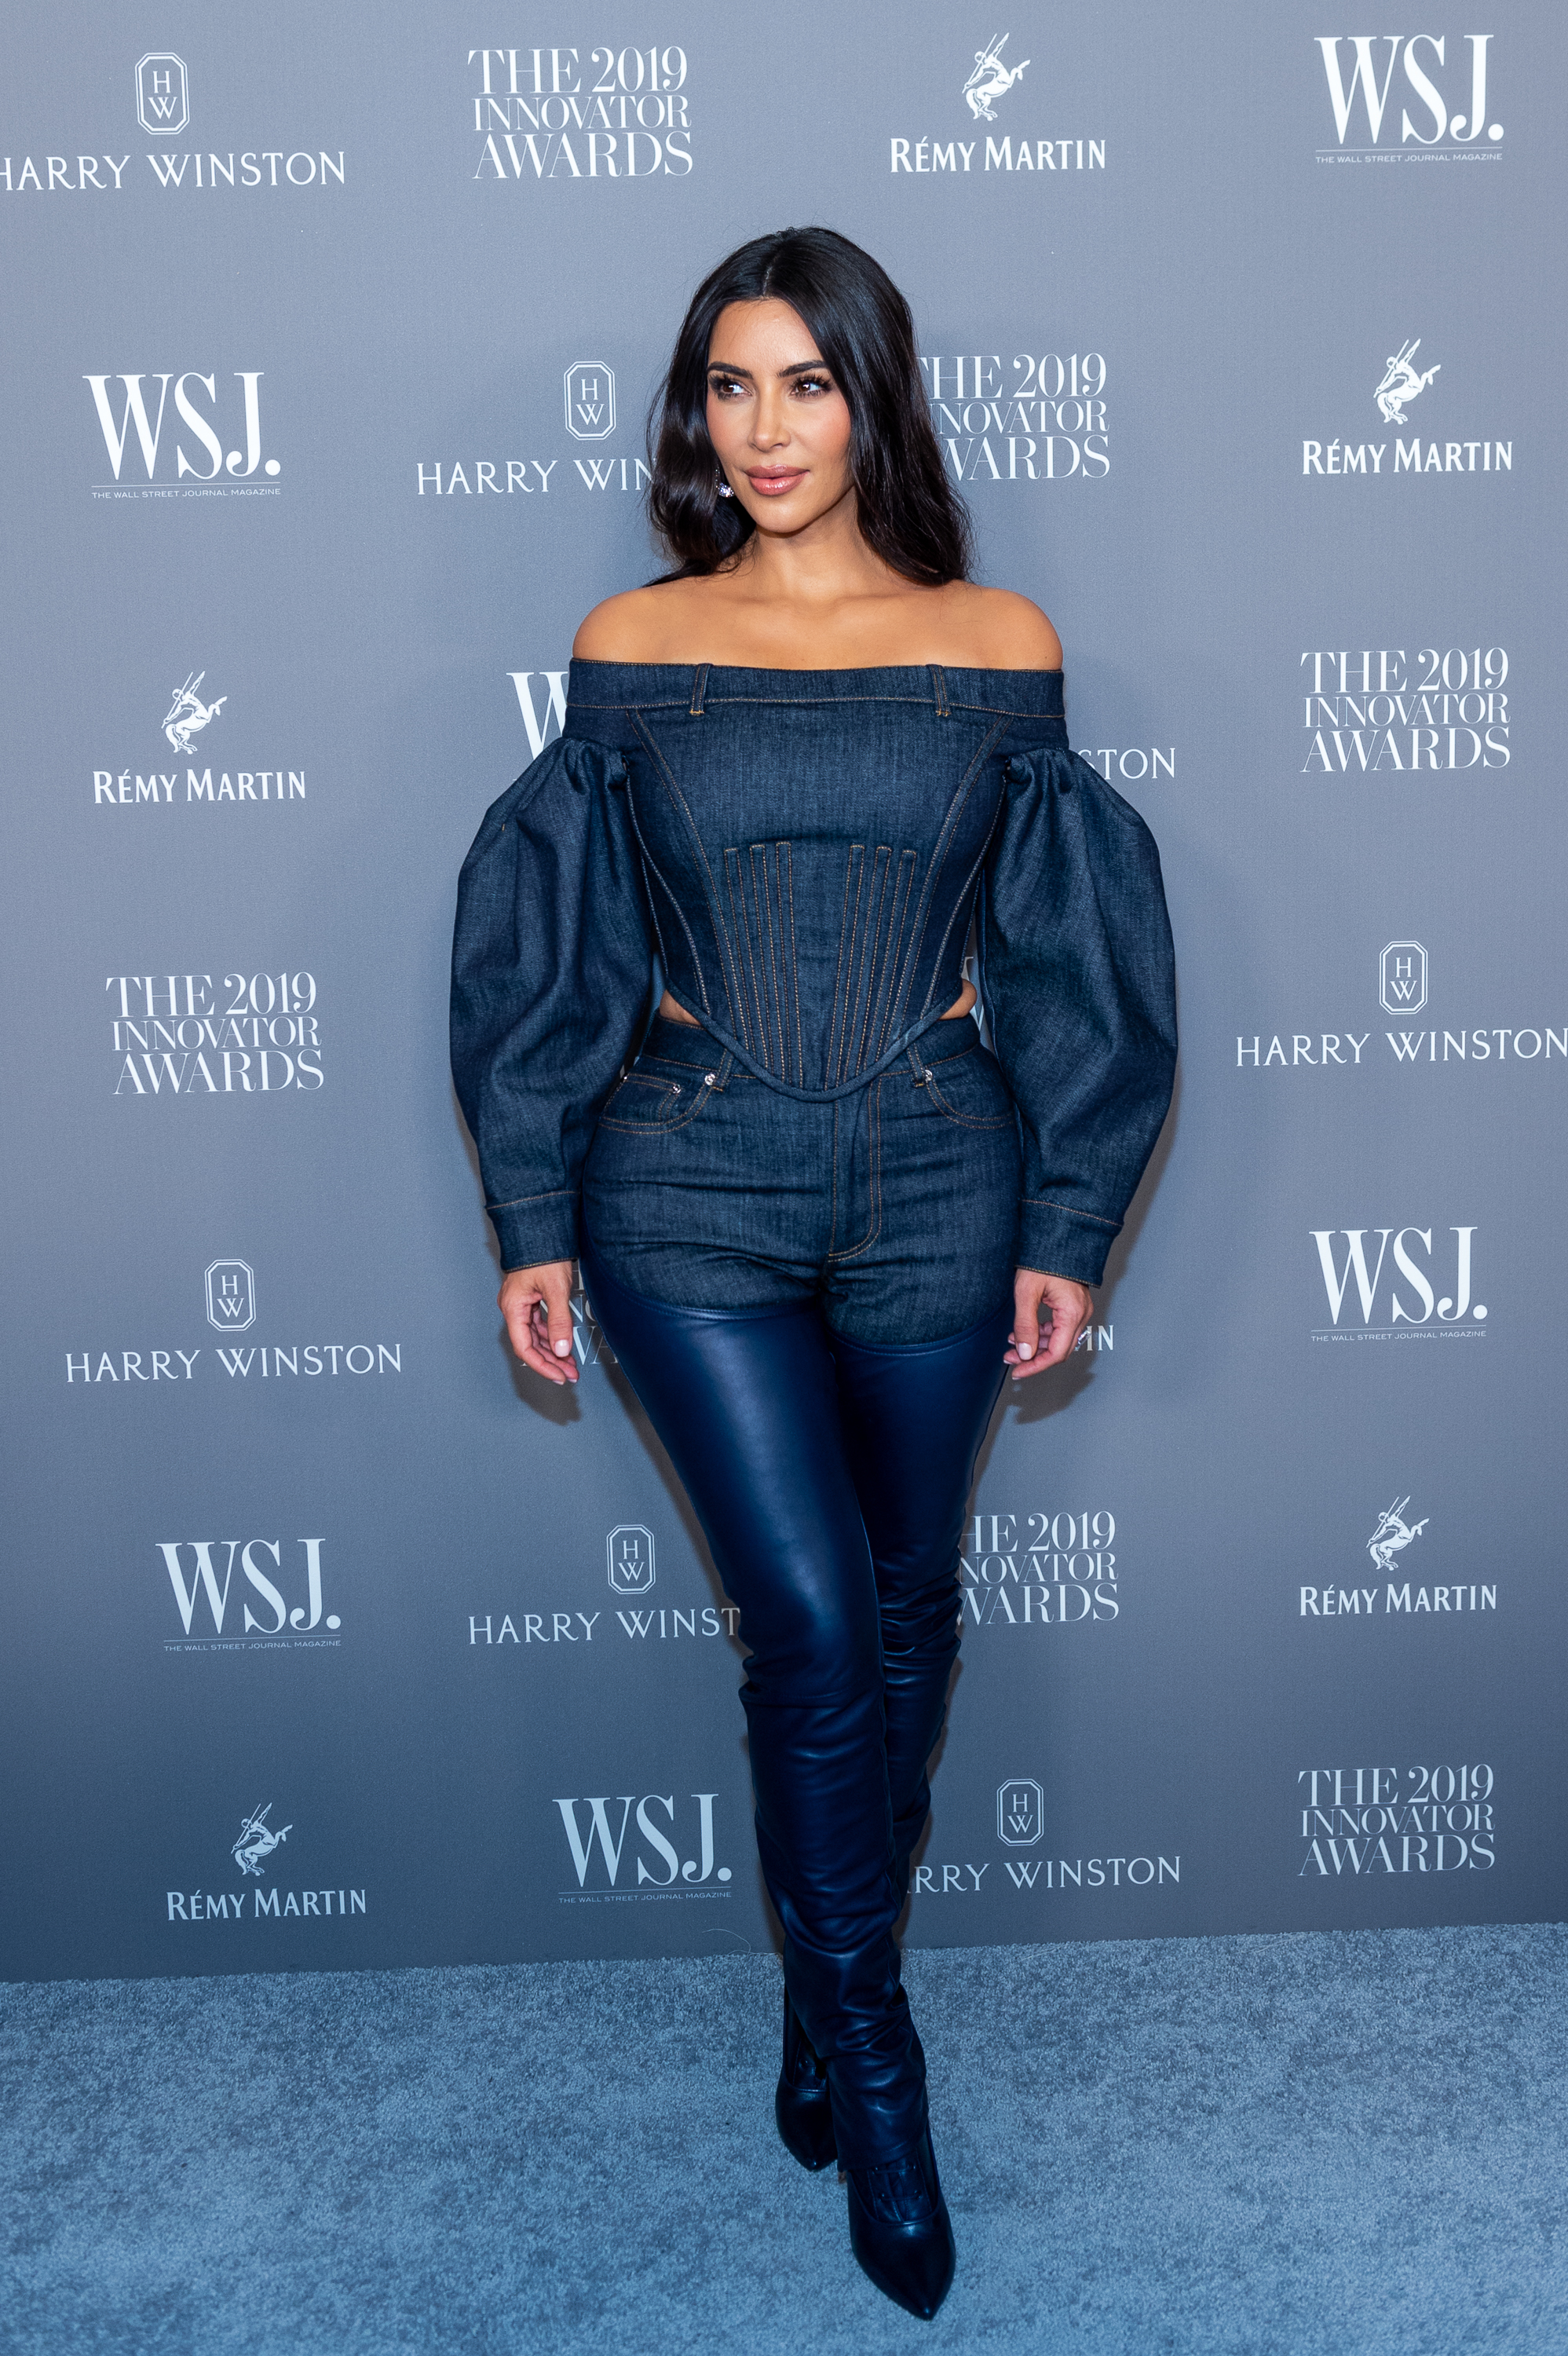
pixel 804 852
pixel 894 1207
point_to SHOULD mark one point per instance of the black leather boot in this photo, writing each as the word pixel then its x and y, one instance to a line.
pixel 802 2104
pixel 900 2229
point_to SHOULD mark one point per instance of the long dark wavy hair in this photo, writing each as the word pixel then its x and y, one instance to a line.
pixel 908 512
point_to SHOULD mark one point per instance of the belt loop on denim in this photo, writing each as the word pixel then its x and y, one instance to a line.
pixel 939 691
pixel 916 1066
pixel 700 689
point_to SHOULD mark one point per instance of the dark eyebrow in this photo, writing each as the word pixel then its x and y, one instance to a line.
pixel 796 368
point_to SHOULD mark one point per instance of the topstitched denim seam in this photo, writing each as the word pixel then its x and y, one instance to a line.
pixel 741 949
pixel 715 909
pixel 654 869
pixel 794 967
pixel 764 875
pixel 848 923
pixel 1044 1202
pixel 517 1200
pixel 874 1169
pixel 965 786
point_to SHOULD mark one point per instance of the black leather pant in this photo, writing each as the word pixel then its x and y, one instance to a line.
pixel 831 1478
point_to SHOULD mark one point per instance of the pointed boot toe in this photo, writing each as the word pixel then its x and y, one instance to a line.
pixel 802 2104
pixel 900 2232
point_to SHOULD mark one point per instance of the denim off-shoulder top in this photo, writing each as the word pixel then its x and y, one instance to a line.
pixel 805 853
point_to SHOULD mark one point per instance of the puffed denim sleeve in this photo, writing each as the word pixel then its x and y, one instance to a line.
pixel 1079 984
pixel 551 961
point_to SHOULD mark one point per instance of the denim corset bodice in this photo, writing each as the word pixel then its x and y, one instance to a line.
pixel 812 843
pixel 803 854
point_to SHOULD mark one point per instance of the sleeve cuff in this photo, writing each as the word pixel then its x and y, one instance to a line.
pixel 544 1228
pixel 1059 1242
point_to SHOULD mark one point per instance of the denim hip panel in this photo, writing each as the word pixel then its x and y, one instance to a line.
pixel 896 1206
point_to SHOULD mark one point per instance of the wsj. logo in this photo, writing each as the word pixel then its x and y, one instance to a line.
pixel 188 715
pixel 257 1839
pixel 1402 978
pixel 991 79
pixel 589 401
pixel 630 1550
pixel 231 1296
pixel 1363 83
pixel 610 1844
pixel 1392 1536
pixel 203 1579
pixel 553 717
pixel 162 93
pixel 1401 382
pixel 1337 1270
pixel 1020 1812
pixel 149 429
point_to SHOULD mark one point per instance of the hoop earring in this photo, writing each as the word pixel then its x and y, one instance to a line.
pixel 725 490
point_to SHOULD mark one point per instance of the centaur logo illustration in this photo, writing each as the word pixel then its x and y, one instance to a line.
pixel 231 1296
pixel 1402 978
pixel 670 1869
pixel 630 1549
pixel 1020 1812
pixel 188 715
pixel 589 401
pixel 162 93
pixel 991 79
pixel 1392 1536
pixel 1401 383
pixel 257 1839
pixel 1364 82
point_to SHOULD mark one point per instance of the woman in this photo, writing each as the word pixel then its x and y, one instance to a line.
pixel 816 1218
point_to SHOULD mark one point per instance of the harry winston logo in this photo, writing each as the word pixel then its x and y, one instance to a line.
pixel 162 93
pixel 630 1550
pixel 1402 978
pixel 589 401
pixel 231 1296
pixel 1020 1812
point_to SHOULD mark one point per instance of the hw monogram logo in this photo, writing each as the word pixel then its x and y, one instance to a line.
pixel 231 1296
pixel 630 1551
pixel 1020 1812
pixel 162 93
pixel 1402 978
pixel 589 401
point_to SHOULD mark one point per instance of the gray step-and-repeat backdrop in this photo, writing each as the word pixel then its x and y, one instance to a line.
pixel 329 1640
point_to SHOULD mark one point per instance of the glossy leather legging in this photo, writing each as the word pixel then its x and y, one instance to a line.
pixel 831 1478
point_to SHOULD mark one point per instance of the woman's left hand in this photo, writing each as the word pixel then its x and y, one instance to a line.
pixel 1064 1306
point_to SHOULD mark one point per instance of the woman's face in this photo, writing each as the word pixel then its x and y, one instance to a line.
pixel 777 420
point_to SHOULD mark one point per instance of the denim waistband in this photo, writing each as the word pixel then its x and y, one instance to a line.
pixel 937 1041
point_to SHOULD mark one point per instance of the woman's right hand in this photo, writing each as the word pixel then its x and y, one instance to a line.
pixel 536 1305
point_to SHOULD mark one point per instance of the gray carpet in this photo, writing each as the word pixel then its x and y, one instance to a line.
pixel 1354 2144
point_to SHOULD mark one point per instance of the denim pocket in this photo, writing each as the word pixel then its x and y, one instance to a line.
pixel 657 1094
pixel 970 1090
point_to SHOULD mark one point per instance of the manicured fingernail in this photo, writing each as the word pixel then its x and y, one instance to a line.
pixel 563 1349
pixel 1026 1349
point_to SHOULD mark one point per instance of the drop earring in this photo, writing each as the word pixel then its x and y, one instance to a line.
pixel 725 490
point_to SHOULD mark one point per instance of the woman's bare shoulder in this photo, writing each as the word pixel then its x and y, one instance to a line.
pixel 1011 630
pixel 639 626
